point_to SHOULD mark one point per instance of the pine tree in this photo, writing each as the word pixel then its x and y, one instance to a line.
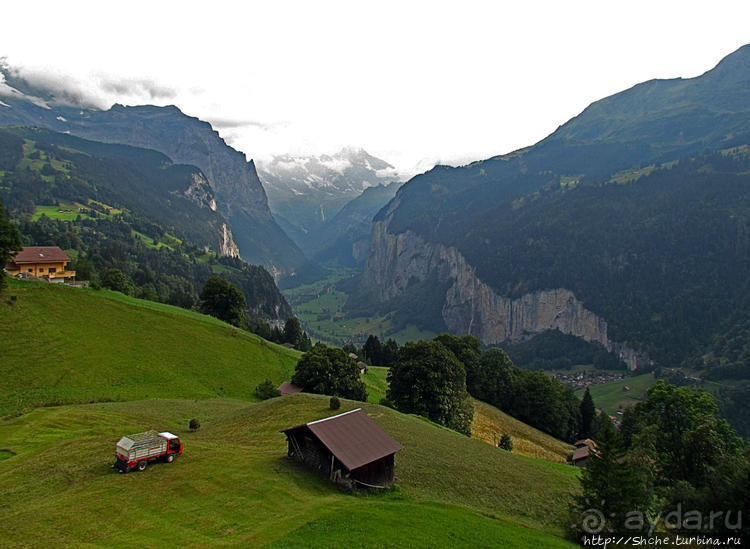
pixel 613 483
pixel 372 350
pixel 293 331
pixel 588 412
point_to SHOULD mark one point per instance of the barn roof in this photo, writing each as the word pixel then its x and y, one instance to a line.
pixel 353 438
pixel 288 388
pixel 39 254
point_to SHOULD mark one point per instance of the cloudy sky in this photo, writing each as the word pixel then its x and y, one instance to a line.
pixel 411 82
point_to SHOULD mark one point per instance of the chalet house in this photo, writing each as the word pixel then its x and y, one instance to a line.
pixel 288 388
pixel 584 449
pixel 349 448
pixel 44 262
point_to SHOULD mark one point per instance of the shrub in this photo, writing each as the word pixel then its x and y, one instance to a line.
pixel 334 403
pixel 506 442
pixel 266 390
pixel 194 424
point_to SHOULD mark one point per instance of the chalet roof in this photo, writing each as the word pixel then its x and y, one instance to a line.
pixel 585 442
pixel 287 388
pixel 580 453
pixel 39 254
pixel 353 438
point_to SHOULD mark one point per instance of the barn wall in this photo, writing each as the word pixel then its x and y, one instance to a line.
pixel 378 473
pixel 313 453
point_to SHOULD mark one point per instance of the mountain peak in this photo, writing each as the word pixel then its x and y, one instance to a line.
pixel 736 65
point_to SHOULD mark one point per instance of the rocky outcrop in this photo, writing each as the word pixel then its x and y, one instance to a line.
pixel 470 306
pixel 200 192
pixel 228 246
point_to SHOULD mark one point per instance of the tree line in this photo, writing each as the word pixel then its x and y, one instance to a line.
pixel 436 378
pixel 674 465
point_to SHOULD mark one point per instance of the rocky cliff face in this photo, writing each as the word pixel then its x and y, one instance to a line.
pixel 200 192
pixel 470 306
pixel 228 245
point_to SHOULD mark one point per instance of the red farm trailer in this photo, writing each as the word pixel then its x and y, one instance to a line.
pixel 135 451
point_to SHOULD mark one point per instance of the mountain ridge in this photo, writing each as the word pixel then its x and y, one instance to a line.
pixel 306 192
pixel 186 140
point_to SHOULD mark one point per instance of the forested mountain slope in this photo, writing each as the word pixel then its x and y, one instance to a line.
pixel 626 227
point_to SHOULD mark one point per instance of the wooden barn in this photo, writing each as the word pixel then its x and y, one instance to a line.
pixel 288 388
pixel 349 448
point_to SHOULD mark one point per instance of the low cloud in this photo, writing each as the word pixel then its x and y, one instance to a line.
pixel 47 87
pixel 225 123
pixel 137 87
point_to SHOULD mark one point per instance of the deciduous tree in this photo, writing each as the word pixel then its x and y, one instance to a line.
pixel 329 371
pixel 429 380
pixel 223 300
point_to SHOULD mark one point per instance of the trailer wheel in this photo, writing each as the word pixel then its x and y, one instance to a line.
pixel 169 458
pixel 141 465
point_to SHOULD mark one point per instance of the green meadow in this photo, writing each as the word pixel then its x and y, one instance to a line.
pixel 85 367
pixel 70 345
pixel 621 393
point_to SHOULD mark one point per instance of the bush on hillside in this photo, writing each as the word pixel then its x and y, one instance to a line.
pixel 194 424
pixel 266 390
pixel 334 403
pixel 115 279
pixel 506 442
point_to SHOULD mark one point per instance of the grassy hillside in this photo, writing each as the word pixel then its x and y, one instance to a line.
pixel 234 485
pixel 376 382
pixel 84 367
pixel 70 345
pixel 490 424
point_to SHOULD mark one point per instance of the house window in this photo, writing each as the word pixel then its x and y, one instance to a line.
pixel 41 269
pixel 52 270
pixel 31 270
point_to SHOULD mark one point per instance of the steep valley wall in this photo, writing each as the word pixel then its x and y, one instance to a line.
pixel 471 306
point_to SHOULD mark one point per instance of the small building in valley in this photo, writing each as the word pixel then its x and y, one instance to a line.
pixel 584 449
pixel 288 388
pixel 349 448
pixel 43 262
